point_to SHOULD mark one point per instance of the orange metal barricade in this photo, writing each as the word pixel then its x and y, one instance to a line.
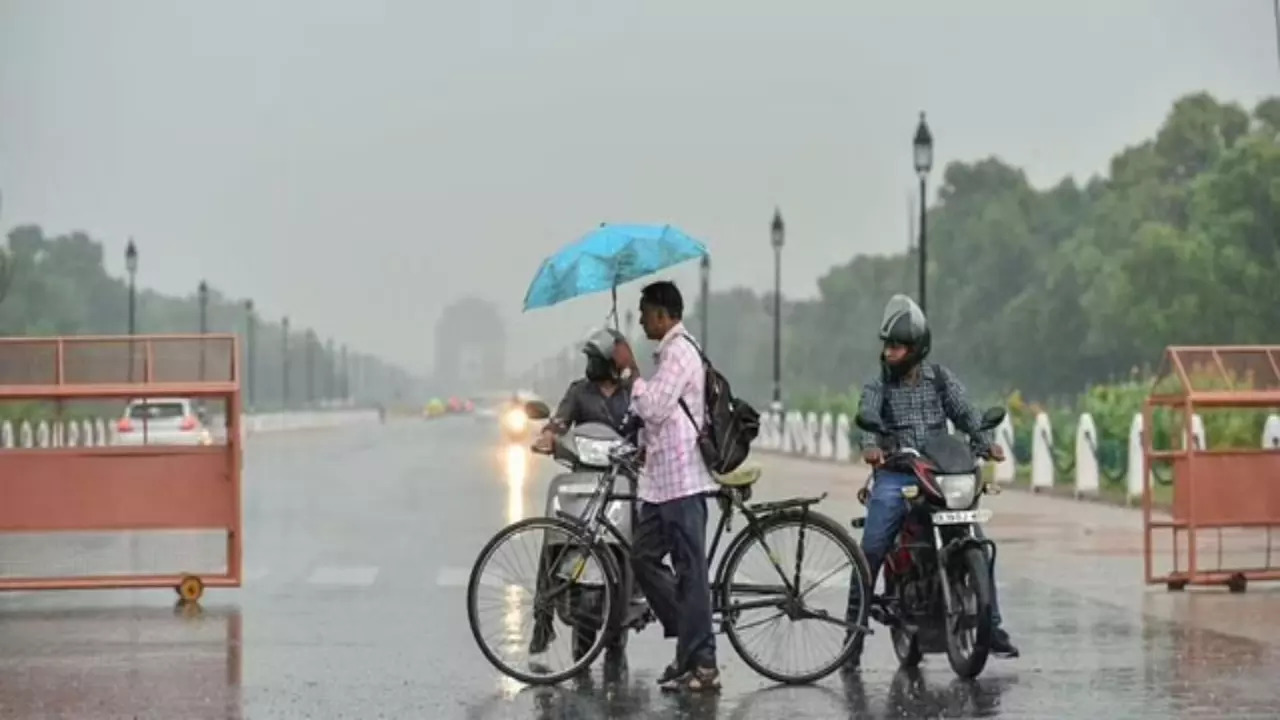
pixel 1237 488
pixel 115 488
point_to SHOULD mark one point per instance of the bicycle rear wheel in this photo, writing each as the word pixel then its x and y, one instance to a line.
pixel 574 587
pixel 753 594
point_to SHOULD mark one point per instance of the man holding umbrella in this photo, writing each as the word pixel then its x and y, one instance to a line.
pixel 672 489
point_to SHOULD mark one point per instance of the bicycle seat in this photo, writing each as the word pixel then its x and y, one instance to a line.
pixel 740 478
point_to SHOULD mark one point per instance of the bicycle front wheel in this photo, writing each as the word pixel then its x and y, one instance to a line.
pixel 797 585
pixel 541 618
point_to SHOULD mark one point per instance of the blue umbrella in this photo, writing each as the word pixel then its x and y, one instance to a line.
pixel 607 257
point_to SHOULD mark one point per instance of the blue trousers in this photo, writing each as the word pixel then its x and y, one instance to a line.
pixel 681 600
pixel 886 511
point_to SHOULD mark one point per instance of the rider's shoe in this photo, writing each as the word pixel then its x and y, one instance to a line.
pixel 1001 645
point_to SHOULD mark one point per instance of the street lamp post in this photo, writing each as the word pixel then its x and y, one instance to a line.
pixel 922 146
pixel 131 265
pixel 703 308
pixel 203 293
pixel 346 375
pixel 778 235
pixel 249 331
pixel 311 367
pixel 284 363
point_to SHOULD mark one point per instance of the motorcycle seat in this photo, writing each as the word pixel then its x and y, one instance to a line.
pixel 740 478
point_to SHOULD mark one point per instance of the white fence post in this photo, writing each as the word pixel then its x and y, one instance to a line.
pixel 844 453
pixel 8 438
pixel 42 434
pixel 793 430
pixel 826 436
pixel 1042 454
pixel 1271 433
pixel 1087 471
pixel 1133 477
pixel 26 436
pixel 1006 469
pixel 811 434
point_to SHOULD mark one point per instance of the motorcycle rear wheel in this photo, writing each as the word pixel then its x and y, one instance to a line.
pixel 968 656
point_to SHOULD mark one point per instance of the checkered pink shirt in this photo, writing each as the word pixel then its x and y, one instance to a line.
pixel 673 467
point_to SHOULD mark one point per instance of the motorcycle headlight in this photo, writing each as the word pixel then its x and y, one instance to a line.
pixel 958 490
pixel 594 452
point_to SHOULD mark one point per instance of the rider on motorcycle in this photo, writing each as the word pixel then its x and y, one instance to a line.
pixel 914 401
pixel 602 396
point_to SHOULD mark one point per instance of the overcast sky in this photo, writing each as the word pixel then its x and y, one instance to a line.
pixel 358 165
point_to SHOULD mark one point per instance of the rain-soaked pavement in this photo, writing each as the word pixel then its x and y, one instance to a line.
pixel 357 547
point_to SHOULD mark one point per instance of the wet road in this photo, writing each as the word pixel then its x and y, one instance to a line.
pixel 357 547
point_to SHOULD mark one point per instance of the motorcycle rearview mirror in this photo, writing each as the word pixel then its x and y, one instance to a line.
pixel 869 422
pixel 992 417
pixel 537 410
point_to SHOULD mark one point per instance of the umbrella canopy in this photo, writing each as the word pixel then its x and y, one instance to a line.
pixel 607 257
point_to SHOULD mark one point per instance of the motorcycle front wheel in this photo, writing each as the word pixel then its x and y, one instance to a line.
pixel 969 630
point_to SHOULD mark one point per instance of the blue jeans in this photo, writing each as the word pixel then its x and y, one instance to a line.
pixel 886 511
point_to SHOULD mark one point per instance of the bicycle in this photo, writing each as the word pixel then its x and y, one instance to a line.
pixel 583 544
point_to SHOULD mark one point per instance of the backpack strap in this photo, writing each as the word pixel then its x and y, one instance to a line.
pixel 705 363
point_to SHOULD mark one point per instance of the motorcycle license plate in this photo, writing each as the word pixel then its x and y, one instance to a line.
pixel 961 517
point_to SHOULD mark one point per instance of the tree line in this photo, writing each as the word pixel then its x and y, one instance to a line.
pixel 1051 291
pixel 51 286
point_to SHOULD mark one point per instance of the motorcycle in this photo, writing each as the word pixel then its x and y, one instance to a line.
pixel 584 449
pixel 938 575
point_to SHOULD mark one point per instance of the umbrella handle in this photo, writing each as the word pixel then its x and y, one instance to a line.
pixel 614 312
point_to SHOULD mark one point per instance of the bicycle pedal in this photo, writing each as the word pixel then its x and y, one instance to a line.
pixel 858 523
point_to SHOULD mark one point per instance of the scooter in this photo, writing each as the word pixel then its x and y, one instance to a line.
pixel 584 450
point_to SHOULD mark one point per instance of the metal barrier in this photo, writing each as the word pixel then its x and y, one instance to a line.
pixel 124 488
pixel 1237 488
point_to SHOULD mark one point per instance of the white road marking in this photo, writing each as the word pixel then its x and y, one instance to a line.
pixel 347 576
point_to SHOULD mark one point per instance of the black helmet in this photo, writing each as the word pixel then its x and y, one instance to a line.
pixel 598 348
pixel 904 324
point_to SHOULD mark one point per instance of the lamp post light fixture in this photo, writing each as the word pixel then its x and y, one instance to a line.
pixel 922 147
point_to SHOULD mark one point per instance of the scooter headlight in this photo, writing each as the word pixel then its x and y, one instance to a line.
pixel 594 452
pixel 958 490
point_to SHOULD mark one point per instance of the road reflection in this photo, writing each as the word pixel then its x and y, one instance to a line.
pixel 613 694
pixel 122 662
pixel 516 471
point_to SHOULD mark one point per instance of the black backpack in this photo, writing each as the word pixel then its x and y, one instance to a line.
pixel 725 439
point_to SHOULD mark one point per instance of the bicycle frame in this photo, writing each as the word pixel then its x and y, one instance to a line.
pixel 785 597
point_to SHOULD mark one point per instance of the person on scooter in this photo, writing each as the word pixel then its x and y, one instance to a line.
pixel 915 400
pixel 602 396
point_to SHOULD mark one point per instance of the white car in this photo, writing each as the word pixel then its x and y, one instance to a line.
pixel 162 421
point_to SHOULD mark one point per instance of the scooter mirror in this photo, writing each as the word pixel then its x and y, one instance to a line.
pixel 537 410
pixel 992 417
